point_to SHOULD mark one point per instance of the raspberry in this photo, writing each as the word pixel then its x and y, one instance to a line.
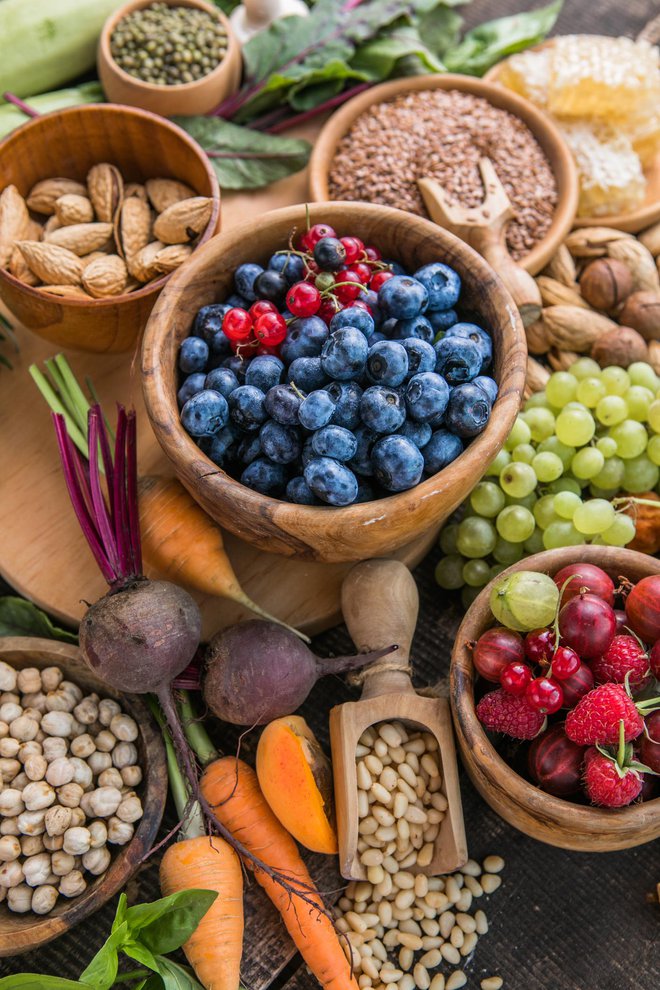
pixel 606 783
pixel 624 655
pixel 502 712
pixel 595 719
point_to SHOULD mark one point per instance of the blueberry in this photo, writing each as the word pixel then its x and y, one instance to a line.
pixel 387 329
pixel 222 380
pixel 489 385
pixel 457 359
pixel 209 321
pixel 220 345
pixel 222 446
pixel 470 331
pixel 306 373
pixel 441 319
pixel 365 493
pixel 264 371
pixel 271 285
pixel 361 462
pixel 443 448
pixel 305 338
pixel 334 441
pixel 331 481
pixel 395 267
pixel 247 407
pixel 264 476
pixel 418 326
pixel 382 409
pixel 316 410
pixel 235 299
pixel 370 298
pixel 283 404
pixel 397 463
pixel 347 397
pixel 244 279
pixel 307 452
pixel 353 316
pixel 249 448
pixel 280 443
pixel 468 410
pixel 205 413
pixel 421 356
pixel 238 365
pixel 344 354
pixel 403 297
pixel 419 433
pixel 290 265
pixel 329 254
pixel 193 355
pixel 376 337
pixel 191 385
pixel 299 491
pixel 427 396
pixel 442 283
pixel 387 363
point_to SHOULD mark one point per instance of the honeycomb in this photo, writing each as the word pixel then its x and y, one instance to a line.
pixel 610 172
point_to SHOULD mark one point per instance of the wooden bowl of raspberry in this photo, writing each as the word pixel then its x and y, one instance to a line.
pixel 554 693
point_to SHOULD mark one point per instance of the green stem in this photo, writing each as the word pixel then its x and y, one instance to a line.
pixel 197 736
pixel 53 400
pixel 193 826
pixel 636 501
pixel 74 394
pixel 621 753
pixel 133 974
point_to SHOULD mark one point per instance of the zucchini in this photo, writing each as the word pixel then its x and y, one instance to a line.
pixel 11 117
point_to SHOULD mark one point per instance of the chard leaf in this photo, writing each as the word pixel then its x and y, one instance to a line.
pixel 378 58
pixel 440 28
pixel 21 618
pixel 244 158
pixel 485 45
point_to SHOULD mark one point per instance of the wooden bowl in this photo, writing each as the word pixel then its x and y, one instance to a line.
pixel 543 129
pixel 67 143
pixel 371 529
pixel 198 97
pixel 23 932
pixel 519 802
pixel 647 213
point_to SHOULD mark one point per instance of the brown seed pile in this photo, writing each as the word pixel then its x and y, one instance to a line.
pixel 442 134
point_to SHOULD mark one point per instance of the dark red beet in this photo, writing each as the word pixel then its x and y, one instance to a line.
pixel 577 685
pixel 643 608
pixel 494 650
pixel 587 624
pixel 585 576
pixel 555 763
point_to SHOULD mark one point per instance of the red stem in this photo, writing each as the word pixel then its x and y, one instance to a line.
pixel 100 508
pixel 27 110
pixel 119 494
pixel 335 101
pixel 132 493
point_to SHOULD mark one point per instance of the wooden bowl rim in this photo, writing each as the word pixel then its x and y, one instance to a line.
pixel 139 85
pixel 542 128
pixel 99 889
pixel 564 813
pixel 89 109
pixel 180 447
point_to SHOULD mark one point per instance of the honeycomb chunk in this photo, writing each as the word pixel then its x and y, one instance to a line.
pixel 528 74
pixel 645 135
pixel 610 173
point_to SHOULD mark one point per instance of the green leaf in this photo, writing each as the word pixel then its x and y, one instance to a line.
pixel 487 44
pixel 21 618
pixel 378 58
pixel 137 951
pixel 35 981
pixel 177 977
pixel 154 982
pixel 120 914
pixel 102 970
pixel 169 926
pixel 243 158
pixel 440 28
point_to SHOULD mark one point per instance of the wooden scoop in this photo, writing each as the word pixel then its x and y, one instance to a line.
pixel 380 605
pixel 483 227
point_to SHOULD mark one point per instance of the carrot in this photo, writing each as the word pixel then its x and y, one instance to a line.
pixel 181 543
pixel 231 788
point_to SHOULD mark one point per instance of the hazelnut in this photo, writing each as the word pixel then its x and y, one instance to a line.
pixel 605 283
pixel 621 346
pixel 642 312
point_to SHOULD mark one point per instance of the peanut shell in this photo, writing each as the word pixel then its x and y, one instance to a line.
pixel 43 196
pixel 184 220
pixel 167 192
pixel 105 277
pixel 81 238
pixel 106 190
pixel 14 222
pixel 71 209
pixel 51 263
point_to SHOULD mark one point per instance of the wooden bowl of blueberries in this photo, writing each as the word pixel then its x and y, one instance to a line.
pixel 332 385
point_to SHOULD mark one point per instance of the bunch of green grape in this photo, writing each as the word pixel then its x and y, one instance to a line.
pixel 591 435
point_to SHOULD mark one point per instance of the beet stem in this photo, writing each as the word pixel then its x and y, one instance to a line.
pixel 132 493
pixel 339 665
pixel 119 494
pixel 101 514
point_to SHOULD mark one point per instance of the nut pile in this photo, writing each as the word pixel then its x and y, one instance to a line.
pixel 69 769
pixel 102 238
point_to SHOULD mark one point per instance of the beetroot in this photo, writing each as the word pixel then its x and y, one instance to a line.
pixel 555 763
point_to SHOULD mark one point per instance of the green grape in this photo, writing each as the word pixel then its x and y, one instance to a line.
pixel 487 499
pixel 565 484
pixel 561 388
pixel 590 391
pixel 607 493
pixel 653 449
pixel 524 453
pixel 587 463
pixel 638 399
pixel 476 573
pixel 585 368
pixel 506 553
pixel 620 533
pixel 515 524
pixel 611 474
pixel 611 410
pixel 565 504
pixel 640 475
pixel 575 427
pixel 562 533
pixel 529 501
pixel 544 512
pixel 498 463
pixel 541 423
pixel 448 535
pixel 518 480
pixel 449 572
pixel 615 379
pixel 534 543
pixel 641 373
pixel 468 510
pixel 653 417
pixel 538 400
pixel 594 516
pixel 553 445
pixel 607 446
pixel 476 537
pixel 520 433
pixel 631 438
pixel 468 595
pixel 496 569
pixel 548 466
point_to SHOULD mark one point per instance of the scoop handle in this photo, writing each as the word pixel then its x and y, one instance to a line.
pixel 526 293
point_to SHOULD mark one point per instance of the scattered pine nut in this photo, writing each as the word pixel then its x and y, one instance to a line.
pixel 492 983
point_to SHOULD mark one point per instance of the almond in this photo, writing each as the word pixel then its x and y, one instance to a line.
pixel 132 226
pixel 81 238
pixel 141 265
pixel 171 257
pixel 66 291
pixel 561 360
pixel 72 209
pixel 570 327
pixel 639 260
pixel 538 340
pixel 167 192
pixel 44 195
pixel 536 378
pixel 562 267
pixel 87 259
pixel 556 293
pixel 105 277
pixel 593 242
pixel 14 222
pixel 18 266
pixel 106 190
pixel 184 220
pixel 136 189
pixel 53 264
pixel 651 239
pixel 654 355
pixel 51 224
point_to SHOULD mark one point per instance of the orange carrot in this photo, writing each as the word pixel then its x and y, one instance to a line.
pixel 231 788
pixel 181 543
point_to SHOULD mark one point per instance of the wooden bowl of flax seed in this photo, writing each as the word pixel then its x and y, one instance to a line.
pixel 377 146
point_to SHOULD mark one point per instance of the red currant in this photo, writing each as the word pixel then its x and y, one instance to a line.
pixel 539 645
pixel 303 299
pixel 348 287
pixel 260 307
pixel 565 663
pixel 237 325
pixel 353 247
pixel 310 239
pixel 327 310
pixel 544 695
pixel 361 304
pixel 362 271
pixel 265 349
pixel 270 328
pixel 372 253
pixel 379 279
pixel 515 677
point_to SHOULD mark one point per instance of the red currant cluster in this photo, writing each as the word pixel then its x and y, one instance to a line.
pixel 261 328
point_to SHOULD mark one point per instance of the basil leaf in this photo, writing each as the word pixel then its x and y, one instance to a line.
pixel 120 914
pixel 137 951
pixel 153 982
pixel 487 44
pixel 378 58
pixel 171 930
pixel 176 977
pixel 244 158
pixel 35 981
pixel 19 617
pixel 102 970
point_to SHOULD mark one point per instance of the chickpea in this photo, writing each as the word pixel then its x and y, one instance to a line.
pixel 54 748
pixel 10 697
pixel 62 863
pixel 9 748
pixel 8 677
pixel 110 778
pixel 38 795
pixel 59 701
pixel 57 723
pixel 82 772
pixel 53 842
pixel 20 781
pixel 107 710
pixel 98 762
pixel 31 845
pixel 119 832
pixel 78 817
pixel 57 820
pixel 124 754
pixel 32 713
pixel 32 822
pixel 37 701
pixel 36 869
pixel 11 874
pixel 96 861
pixel 69 795
pixel 83 746
pixel 19 899
pixel 9 826
pixel 131 776
pixel 104 801
pixel 9 710
pixel 4 730
pixel 130 809
pixel 29 680
pixel 77 840
pixel 35 767
pixel 105 741
pixel 70 688
pixel 124 728
pixel 10 848
pixel 30 748
pixel 51 678
pixel 60 772
pixel 99 834
pixel 72 884
pixel 44 898
pixel 11 802
pixel 9 769
pixel 87 711
pixel 24 727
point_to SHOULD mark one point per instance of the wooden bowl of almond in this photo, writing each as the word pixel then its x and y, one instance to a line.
pixel 99 205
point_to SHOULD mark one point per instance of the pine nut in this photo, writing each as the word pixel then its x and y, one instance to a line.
pixel 416 746
pixel 355 938
pixel 457 980
pixel 481 922
pixel 405 899
pixel 382 815
pixel 447 920
pixel 407 982
pixel 436 899
pixel 438 982
pixel 456 937
pixel 474 886
pixel 429 764
pixel 434 816
pixel 415 816
pixel 490 882
pixel 371 857
pixel 425 854
pixel 361 892
pixel 388 733
pixel 380 794
pixel 342 925
pixel 492 983
pixel 471 868
pixel 411 927
pixel 367 826
pixel 413 942
pixel 452 889
pixel 404 881
pixel 409 860
pixel 397 754
pixel 466 922
pixel 390 975
pixel 363 804
pixel 412 760
pixel 421 977
pixel 493 864
pixel 389 778
pixel 469 943
pixel 408 790
pixel 370 919
pixel 439 802
pixel 344 903
pixel 370 968
pixel 431 833
pixel 402 826
pixel 430 926
pixel 406 957
pixel 421 883
pixel 386 834
pixel 431 942
pixel 464 902
pixel 431 959
pixel 368 736
pixel 363 776
pixel 406 772
pixel 391 938
pixel 400 805
pixel 355 921
pixel 375 873
pixel 402 914
pixel 373 765
pixel 384 912
pixel 384 888
pixel 451 954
